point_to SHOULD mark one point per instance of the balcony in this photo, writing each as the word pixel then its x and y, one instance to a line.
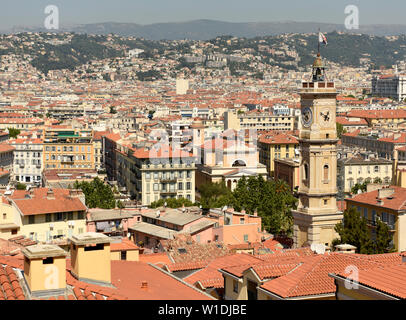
pixel 168 192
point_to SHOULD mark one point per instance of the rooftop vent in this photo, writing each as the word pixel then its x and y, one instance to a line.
pixel 182 250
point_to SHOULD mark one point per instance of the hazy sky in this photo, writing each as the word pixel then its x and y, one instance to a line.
pixel 31 12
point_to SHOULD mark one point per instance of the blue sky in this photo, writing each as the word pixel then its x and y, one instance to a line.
pixel 31 12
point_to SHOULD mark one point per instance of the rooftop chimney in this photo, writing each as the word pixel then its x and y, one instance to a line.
pixel 345 248
pixel 91 258
pixel 144 285
pixel 45 270
pixel 385 192
pixel 50 194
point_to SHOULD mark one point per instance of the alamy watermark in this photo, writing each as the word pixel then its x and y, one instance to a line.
pixel 52 20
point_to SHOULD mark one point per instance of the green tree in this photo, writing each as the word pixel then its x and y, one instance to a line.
pixel 354 230
pixel 113 110
pixel 340 130
pixel 377 180
pixel 358 186
pixel 21 186
pixel 97 194
pixel 214 195
pixel 13 132
pixel 272 199
pixel 172 203
pixel 384 238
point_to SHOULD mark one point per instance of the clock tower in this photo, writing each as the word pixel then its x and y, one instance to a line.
pixel 317 213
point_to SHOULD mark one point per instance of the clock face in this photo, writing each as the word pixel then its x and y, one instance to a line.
pixel 307 117
pixel 325 117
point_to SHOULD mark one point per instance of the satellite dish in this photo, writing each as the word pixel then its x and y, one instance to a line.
pixel 158 213
pixel 129 235
pixel 359 191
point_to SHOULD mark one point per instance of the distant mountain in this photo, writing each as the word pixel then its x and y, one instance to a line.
pixel 209 29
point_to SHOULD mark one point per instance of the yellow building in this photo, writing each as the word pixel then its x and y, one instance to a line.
pixel 68 149
pixel 43 214
pixel 317 212
pixel 387 204
pixel 276 146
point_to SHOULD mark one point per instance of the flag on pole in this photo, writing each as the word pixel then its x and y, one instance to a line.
pixel 322 38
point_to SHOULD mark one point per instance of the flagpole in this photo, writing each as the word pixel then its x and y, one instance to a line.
pixel 318 42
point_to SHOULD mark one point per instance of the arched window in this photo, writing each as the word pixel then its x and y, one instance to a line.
pixel 325 172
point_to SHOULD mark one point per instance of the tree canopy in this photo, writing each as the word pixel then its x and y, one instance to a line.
pixel 97 194
pixel 354 230
pixel 13 132
pixel 172 203
pixel 271 199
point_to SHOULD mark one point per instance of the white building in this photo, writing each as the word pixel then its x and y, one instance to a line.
pixel 28 162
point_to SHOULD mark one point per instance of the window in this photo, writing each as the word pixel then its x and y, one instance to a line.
pixel 59 216
pixel 31 219
pixel 242 220
pixel 246 237
pixel 4 216
pixel 70 215
pixel 99 246
pixel 325 202
pixel 235 286
pixel 147 175
pixel 325 172
pixel 188 185
pixel 376 169
pixel 306 171
pixel 80 215
pixel 366 213
pixel 49 260
pixel 180 186
pixel 188 174
pixel 123 255
pixel 48 218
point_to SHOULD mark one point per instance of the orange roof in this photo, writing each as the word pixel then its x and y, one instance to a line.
pixel 311 277
pixel 396 202
pixel 155 258
pixel 40 204
pixel 124 245
pixel 389 279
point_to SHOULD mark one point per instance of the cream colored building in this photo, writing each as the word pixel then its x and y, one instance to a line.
pixel 43 214
pixel 258 121
pixel 352 171
pixel 317 213
pixel 150 175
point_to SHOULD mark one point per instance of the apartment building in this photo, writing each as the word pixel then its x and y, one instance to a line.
pixel 68 149
pixel 151 174
pixel 393 86
pixel 43 214
pixel 384 147
pixel 351 171
pixel 28 160
pixel 259 121
pixel 276 146
pixel 6 156
pixel 386 204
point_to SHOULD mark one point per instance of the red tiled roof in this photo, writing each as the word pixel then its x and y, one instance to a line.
pixel 388 279
pixel 396 202
pixel 311 277
pixel 10 288
pixel 40 204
